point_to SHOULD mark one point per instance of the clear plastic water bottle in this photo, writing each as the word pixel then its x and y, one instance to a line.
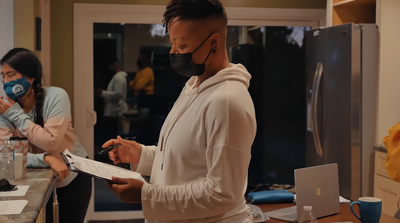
pixel 307 216
pixel 7 158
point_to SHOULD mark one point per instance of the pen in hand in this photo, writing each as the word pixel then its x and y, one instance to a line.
pixel 109 148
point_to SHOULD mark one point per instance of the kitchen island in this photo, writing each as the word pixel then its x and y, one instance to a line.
pixel 41 183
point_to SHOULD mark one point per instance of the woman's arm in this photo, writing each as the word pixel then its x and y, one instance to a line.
pixel 57 165
pixel 56 116
pixel 7 129
pixel 143 79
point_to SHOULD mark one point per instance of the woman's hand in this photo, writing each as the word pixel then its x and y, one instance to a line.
pixel 5 104
pixel 57 165
pixel 128 152
pixel 128 190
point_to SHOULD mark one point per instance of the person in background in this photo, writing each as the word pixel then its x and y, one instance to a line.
pixel 392 162
pixel 115 99
pixel 392 144
pixel 199 168
pixel 143 83
pixel 43 115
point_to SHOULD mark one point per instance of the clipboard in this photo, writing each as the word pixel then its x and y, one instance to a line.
pixel 97 169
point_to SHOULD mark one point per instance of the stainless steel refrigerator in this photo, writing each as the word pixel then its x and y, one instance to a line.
pixel 341 94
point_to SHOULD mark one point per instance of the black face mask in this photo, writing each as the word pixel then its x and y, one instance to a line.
pixel 183 63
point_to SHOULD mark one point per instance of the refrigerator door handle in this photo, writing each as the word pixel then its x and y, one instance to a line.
pixel 314 108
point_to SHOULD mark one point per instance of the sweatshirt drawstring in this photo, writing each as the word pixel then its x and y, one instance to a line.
pixel 170 126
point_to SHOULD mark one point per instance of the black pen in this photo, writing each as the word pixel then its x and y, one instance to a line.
pixel 109 148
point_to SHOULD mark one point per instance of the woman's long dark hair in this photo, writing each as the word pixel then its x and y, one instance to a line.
pixel 25 62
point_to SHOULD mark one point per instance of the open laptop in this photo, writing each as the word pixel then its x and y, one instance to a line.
pixel 316 186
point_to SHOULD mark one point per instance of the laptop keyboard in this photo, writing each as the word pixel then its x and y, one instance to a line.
pixel 288 210
pixel 290 216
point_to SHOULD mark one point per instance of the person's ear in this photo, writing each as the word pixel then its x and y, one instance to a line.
pixel 30 79
pixel 215 41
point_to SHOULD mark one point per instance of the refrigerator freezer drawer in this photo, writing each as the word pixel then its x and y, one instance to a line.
pixel 380 168
pixel 389 191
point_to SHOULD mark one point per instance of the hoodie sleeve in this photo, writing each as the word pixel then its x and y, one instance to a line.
pixel 36 160
pixel 146 160
pixel 7 129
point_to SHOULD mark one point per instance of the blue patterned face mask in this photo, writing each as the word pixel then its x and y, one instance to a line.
pixel 17 88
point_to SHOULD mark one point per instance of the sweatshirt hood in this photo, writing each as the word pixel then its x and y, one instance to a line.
pixel 233 72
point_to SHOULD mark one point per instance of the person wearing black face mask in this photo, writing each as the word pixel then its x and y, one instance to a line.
pixel 198 170
pixel 183 63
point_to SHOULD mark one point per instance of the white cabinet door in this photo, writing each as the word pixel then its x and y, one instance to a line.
pixel 384 187
pixel 389 191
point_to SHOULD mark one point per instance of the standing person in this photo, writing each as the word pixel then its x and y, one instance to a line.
pixel 143 83
pixel 43 115
pixel 198 171
pixel 115 99
pixel 392 144
pixel 392 164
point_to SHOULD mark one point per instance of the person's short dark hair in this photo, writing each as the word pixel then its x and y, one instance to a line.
pixel 112 60
pixel 194 10
pixel 143 61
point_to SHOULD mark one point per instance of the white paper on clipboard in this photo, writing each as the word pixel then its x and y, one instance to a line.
pixel 97 169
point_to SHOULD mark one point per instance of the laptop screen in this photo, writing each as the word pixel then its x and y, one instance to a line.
pixel 316 186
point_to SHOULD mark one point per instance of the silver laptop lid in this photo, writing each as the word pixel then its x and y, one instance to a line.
pixel 318 186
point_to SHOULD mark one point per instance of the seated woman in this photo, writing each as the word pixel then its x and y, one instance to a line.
pixel 43 115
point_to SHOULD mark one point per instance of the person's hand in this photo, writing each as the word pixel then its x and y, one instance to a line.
pixel 57 165
pixel 128 152
pixel 5 104
pixel 127 190
pixel 98 92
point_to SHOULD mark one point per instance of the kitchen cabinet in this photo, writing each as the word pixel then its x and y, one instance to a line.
pixel 384 187
pixel 347 11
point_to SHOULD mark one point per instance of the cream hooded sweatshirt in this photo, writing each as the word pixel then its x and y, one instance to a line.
pixel 198 171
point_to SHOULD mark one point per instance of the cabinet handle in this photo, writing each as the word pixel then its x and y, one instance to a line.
pixel 314 108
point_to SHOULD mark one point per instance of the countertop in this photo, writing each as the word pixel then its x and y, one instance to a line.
pixel 41 183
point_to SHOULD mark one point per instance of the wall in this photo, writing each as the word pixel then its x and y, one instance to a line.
pixel 25 30
pixel 7 27
pixel 388 20
pixel 42 10
pixel 24 23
